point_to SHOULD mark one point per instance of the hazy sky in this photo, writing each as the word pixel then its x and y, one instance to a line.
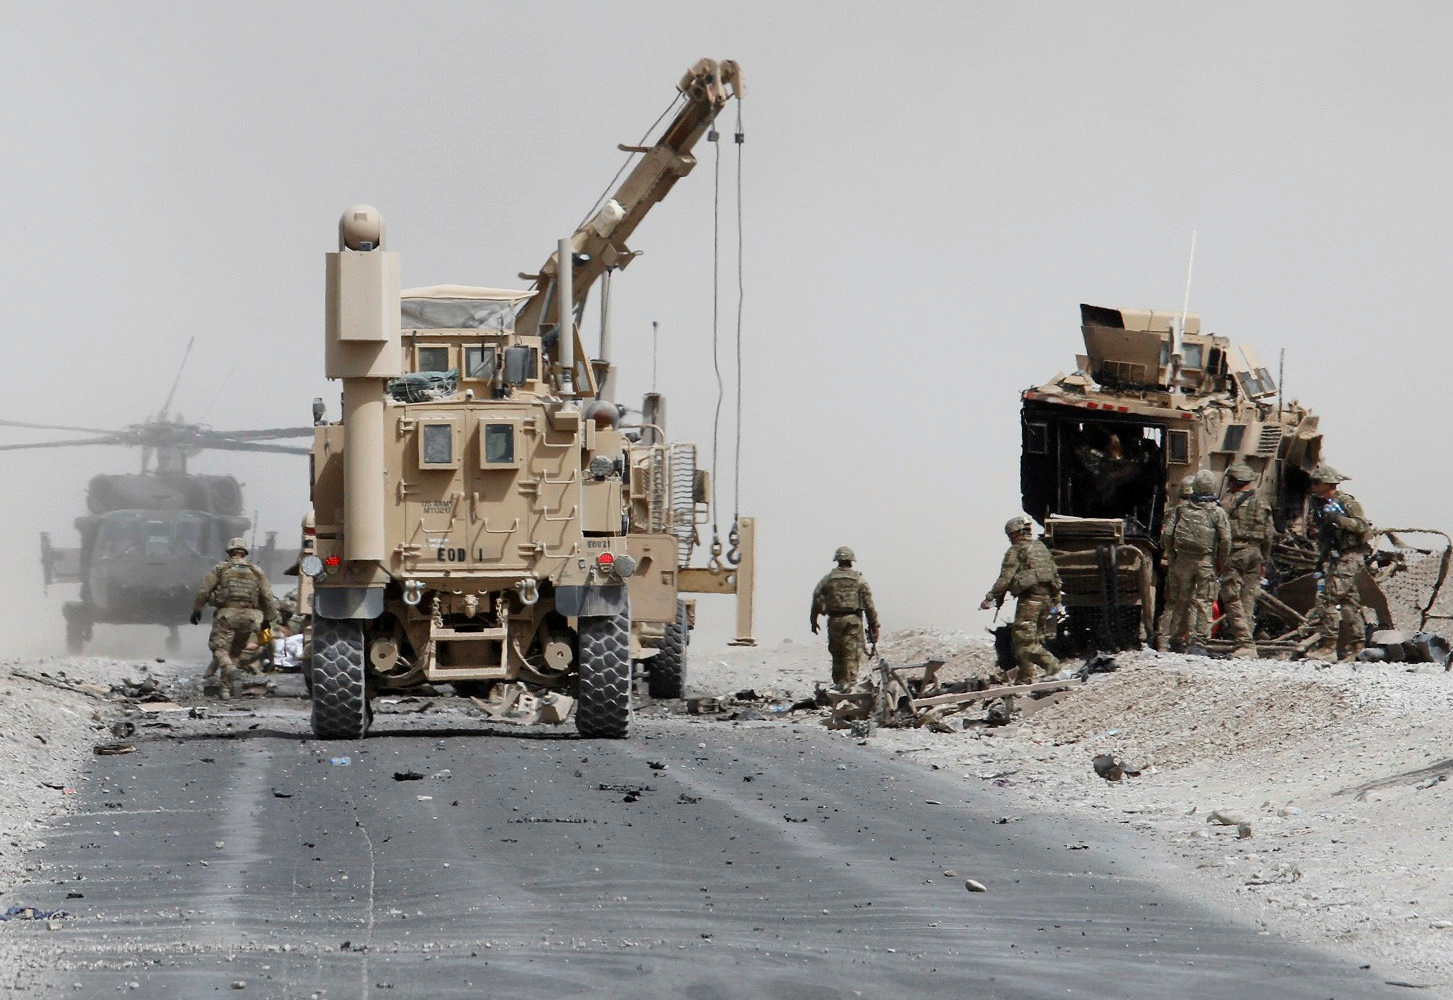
pixel 930 190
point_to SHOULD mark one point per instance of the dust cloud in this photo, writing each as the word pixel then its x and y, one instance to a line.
pixel 926 198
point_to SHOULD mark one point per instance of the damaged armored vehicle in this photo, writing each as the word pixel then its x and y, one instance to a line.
pixel 1152 400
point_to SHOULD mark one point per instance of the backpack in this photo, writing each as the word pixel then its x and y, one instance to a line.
pixel 1195 530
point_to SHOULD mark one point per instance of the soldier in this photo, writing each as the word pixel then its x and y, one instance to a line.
pixel 1172 596
pixel 1251 536
pixel 244 602
pixel 1196 540
pixel 843 596
pixel 1028 572
pixel 1345 537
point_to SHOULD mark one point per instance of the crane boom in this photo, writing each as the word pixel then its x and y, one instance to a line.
pixel 600 243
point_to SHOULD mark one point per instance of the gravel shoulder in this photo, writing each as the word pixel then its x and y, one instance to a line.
pixel 1340 774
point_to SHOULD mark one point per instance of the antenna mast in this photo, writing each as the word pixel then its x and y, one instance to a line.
pixel 1177 333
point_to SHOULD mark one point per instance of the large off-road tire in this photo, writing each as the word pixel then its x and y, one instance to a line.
pixel 667 677
pixel 604 707
pixel 339 688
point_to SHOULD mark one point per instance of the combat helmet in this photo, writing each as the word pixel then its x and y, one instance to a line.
pixel 237 544
pixel 1327 474
pixel 1185 493
pixel 1204 484
pixel 844 554
pixel 1017 524
pixel 1241 473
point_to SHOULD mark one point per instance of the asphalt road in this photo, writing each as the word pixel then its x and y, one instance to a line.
pixel 696 860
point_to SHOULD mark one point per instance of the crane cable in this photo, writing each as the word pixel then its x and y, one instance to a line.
pixel 714 564
pixel 630 157
pixel 734 537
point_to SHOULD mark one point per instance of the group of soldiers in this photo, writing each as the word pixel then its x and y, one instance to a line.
pixel 1216 550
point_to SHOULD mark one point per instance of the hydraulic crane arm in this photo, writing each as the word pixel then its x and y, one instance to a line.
pixel 601 242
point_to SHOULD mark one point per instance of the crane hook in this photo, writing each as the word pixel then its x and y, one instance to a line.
pixel 734 538
pixel 714 566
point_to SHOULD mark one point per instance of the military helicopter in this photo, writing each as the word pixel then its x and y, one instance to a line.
pixel 148 538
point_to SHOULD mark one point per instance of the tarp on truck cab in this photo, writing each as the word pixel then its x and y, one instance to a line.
pixel 460 307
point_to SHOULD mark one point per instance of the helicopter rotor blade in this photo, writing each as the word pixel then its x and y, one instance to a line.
pixel 274 432
pixel 60 427
pixel 62 444
pixel 279 449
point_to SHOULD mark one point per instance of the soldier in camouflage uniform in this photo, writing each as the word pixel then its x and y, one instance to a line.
pixel 1251 536
pixel 1029 574
pixel 244 601
pixel 1345 536
pixel 843 596
pixel 1196 540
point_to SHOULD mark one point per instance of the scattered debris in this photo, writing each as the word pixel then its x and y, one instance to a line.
pixel 278 793
pixel 1438 771
pixel 656 765
pixel 1107 767
pixel 1227 817
pixel 113 749
pixel 32 913
pixel 688 800
pixel 1098 663
pixel 975 886
pixel 121 730
pixel 408 776
pixel 340 761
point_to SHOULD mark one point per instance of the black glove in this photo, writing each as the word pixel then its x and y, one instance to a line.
pixel 195 618
pixel 814 626
pixel 873 636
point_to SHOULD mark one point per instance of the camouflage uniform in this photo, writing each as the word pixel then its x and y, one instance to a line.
pixel 239 591
pixel 843 596
pixel 1252 533
pixel 1196 540
pixel 1029 574
pixel 1346 542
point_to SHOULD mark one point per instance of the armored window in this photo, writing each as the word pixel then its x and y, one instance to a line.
pixel 432 359
pixel 1234 434
pixel 1191 355
pixel 1179 452
pixel 1036 439
pixel 499 445
pixel 437 446
pixel 479 362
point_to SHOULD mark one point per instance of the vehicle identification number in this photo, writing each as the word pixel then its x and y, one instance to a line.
pixel 438 506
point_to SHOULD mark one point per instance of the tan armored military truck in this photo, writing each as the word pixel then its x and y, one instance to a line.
pixel 482 513
pixel 1152 400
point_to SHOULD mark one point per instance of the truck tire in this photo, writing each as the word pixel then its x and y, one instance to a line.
pixel 339 691
pixel 667 678
pixel 604 708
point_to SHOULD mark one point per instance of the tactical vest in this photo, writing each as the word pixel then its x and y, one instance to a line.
pixel 1247 526
pixel 1034 568
pixel 1351 540
pixel 841 594
pixel 238 586
pixel 1195 530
